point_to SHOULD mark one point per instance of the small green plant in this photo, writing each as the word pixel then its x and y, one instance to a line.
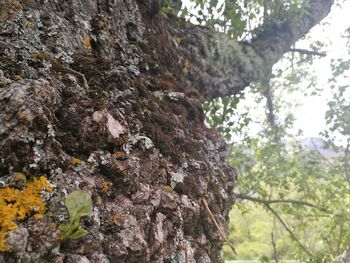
pixel 78 204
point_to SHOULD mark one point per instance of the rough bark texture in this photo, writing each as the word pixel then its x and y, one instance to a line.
pixel 132 134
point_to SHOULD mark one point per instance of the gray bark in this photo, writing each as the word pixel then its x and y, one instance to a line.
pixel 345 256
pixel 106 82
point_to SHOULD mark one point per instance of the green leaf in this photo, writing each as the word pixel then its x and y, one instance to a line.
pixel 72 231
pixel 79 204
pixel 78 233
pixel 67 230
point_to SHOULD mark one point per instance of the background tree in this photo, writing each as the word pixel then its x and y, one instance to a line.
pixel 305 189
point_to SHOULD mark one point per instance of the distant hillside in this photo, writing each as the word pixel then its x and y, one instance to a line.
pixel 319 145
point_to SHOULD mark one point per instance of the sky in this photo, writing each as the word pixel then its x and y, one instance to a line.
pixel 310 115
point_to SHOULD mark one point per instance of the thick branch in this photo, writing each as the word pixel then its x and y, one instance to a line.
pixel 275 40
pixel 221 66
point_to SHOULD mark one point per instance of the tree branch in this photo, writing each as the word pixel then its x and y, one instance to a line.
pixel 341 259
pixel 321 155
pixel 283 201
pixel 308 52
pixel 346 162
pixel 273 241
pixel 270 111
pixel 222 66
pixel 284 224
pixel 276 39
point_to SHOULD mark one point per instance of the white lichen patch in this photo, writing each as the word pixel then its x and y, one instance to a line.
pixel 134 139
pixel 50 131
pixel 159 94
pixel 92 158
pixel 177 177
pixel 38 154
pixel 175 95
pixel 184 249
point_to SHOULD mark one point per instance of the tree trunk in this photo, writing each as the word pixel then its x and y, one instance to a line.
pixel 345 256
pixel 105 96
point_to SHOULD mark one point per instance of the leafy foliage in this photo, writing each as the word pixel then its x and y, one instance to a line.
pixel 301 196
pixel 222 115
pixel 237 18
pixel 78 204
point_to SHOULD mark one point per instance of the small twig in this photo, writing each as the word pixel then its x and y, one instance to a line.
pixel 284 224
pixel 270 113
pixel 85 83
pixel 221 171
pixel 290 67
pixel 263 201
pixel 346 162
pixel 285 201
pixel 59 67
pixel 221 232
pixel 308 52
pixel 273 241
pixel 321 155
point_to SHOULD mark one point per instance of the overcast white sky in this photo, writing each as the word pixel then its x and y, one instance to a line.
pixel 310 116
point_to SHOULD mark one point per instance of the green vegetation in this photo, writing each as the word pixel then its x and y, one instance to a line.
pixel 293 196
pixel 239 19
pixel 253 233
pixel 292 199
pixel 78 204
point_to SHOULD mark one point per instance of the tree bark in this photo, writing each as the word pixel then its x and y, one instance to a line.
pixel 345 256
pixel 105 96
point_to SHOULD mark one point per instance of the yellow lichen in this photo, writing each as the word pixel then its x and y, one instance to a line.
pixel 187 64
pixel 106 186
pixel 178 40
pixel 40 56
pixel 117 218
pixel 20 176
pixel 21 114
pixel 3 245
pixel 87 43
pixel 17 204
pixel 167 188
pixel 119 155
pixel 75 161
